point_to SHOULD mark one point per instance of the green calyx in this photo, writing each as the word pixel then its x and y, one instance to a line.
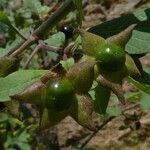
pixel 81 111
pixel 59 94
pixel 8 65
pixel 81 75
pixel 89 41
pixel 110 57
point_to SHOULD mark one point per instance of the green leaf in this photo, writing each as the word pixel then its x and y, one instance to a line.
pixel 78 4
pixel 57 39
pixel 139 41
pixel 36 7
pixel 67 63
pixel 3 28
pixel 102 96
pixel 20 140
pixel 18 39
pixel 4 51
pixel 114 110
pixel 4 19
pixel 145 102
pixel 133 96
pixel 17 81
pixel 3 117
pixel 142 86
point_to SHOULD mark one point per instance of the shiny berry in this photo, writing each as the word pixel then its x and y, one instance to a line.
pixel 68 31
pixel 110 57
pixel 60 94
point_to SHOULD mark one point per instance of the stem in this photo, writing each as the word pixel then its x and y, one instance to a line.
pixel 14 49
pixel 16 31
pixel 116 88
pixel 54 19
pixel 41 45
pixel 66 7
pixel 31 56
pixel 25 44
pixel 48 76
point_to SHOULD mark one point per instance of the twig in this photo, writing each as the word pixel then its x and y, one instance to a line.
pixel 14 48
pixel 25 44
pixel 54 8
pixel 16 31
pixel 116 88
pixel 95 132
pixel 56 17
pixel 31 56
pixel 69 50
pixel 41 45
pixel 66 7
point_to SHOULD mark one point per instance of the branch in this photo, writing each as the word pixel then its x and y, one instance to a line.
pixel 43 46
pixel 54 19
pixel 43 29
pixel 25 44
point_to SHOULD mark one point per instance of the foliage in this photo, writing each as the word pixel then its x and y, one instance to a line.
pixel 78 64
pixel 139 41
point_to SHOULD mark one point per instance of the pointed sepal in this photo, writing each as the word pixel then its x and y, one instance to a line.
pixel 81 111
pixel 33 94
pixel 51 117
pixel 121 38
pixel 131 67
pixel 90 41
pixel 8 65
pixel 81 76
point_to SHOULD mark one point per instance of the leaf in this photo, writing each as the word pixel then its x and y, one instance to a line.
pixel 17 81
pixel 57 39
pixel 102 96
pixel 3 117
pixel 36 7
pixel 145 102
pixel 20 140
pixel 139 41
pixel 114 110
pixel 18 39
pixel 78 4
pixel 3 28
pixel 144 87
pixel 67 64
pixel 133 96
pixel 4 19
pixel 4 51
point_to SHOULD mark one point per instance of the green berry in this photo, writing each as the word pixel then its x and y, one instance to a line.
pixel 60 94
pixel 110 57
